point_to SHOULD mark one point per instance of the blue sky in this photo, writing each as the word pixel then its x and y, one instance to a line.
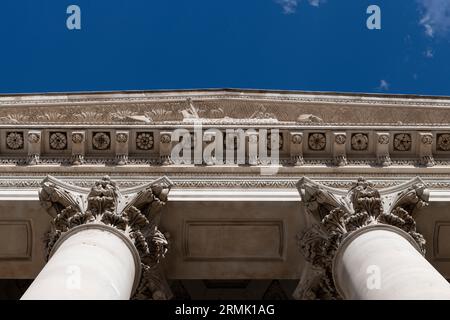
pixel 314 45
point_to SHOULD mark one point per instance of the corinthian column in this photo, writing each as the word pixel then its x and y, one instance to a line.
pixel 363 244
pixel 103 244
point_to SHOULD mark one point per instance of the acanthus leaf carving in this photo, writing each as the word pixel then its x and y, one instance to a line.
pixel 138 219
pixel 336 215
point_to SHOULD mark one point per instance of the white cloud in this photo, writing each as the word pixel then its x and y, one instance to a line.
pixel 315 3
pixel 384 85
pixel 435 16
pixel 428 29
pixel 290 6
pixel 429 53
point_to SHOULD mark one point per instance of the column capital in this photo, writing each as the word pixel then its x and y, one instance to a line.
pixel 334 214
pixel 135 213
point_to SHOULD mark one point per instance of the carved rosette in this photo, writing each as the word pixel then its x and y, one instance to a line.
pixel 77 138
pixel 33 138
pixel 383 139
pixel 144 141
pixel 165 138
pixel 58 140
pixel 443 142
pixel 340 139
pixel 136 216
pixel 14 140
pixel 121 138
pixel 360 142
pixel 297 139
pixel 335 215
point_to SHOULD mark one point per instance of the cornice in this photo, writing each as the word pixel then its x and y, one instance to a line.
pixel 137 167
pixel 219 181
pixel 281 125
pixel 262 95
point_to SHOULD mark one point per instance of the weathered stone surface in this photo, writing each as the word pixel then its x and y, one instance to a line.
pixel 335 216
pixel 136 216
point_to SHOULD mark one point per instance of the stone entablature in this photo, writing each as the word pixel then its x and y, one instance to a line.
pixel 331 138
pixel 297 147
pixel 315 129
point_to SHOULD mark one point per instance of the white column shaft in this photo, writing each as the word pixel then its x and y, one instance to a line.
pixel 92 263
pixel 383 263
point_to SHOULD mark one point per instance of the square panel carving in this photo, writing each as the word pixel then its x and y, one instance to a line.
pixel 15 140
pixel 58 140
pixel 360 141
pixel 101 140
pixel 317 141
pixel 15 239
pixel 145 141
pixel 443 142
pixel 441 241
pixel 402 142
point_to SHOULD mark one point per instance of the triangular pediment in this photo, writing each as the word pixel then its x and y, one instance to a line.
pixel 226 106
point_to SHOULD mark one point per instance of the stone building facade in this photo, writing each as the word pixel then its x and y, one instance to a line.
pixel 303 196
